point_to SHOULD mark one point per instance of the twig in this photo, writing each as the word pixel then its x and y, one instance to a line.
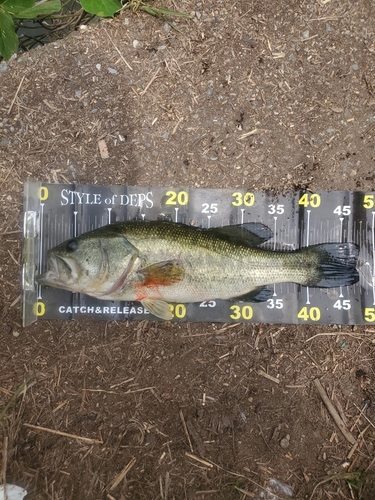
pixel 150 82
pixel 65 434
pixel 255 131
pixel 228 471
pixel 11 232
pixel 245 492
pixel 122 474
pixel 270 377
pixel 4 467
pixel 331 334
pixel 119 53
pixel 345 475
pixel 16 94
pixel 139 390
pixel 186 431
pixel 356 444
pixel 194 457
pixel 333 412
pixel 363 415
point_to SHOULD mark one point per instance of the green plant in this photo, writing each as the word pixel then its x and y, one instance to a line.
pixel 11 11
pixel 22 9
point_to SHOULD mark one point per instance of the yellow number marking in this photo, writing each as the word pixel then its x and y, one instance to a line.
pixel 180 198
pixel 312 313
pixel 178 310
pixel 244 312
pixel 39 308
pixel 247 199
pixel 368 201
pixel 43 193
pixel 370 314
pixel 312 200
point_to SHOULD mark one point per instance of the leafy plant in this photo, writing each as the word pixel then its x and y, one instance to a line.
pixel 22 9
pixel 11 11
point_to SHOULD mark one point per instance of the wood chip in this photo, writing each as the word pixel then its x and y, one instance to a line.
pixel 103 149
pixel 270 377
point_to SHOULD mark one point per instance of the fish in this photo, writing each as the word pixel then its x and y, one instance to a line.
pixel 158 262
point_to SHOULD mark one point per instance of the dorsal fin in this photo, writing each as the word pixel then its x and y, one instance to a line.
pixel 251 233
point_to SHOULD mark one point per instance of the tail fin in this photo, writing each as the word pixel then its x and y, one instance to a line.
pixel 336 264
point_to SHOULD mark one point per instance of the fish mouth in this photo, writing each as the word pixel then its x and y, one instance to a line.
pixel 61 271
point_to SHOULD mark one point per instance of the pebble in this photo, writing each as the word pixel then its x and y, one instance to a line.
pixel 136 43
pixel 3 66
pixel 306 34
pixel 285 442
pixel 355 67
pixel 112 71
pixel 98 66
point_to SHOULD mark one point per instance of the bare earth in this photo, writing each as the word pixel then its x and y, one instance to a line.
pixel 184 411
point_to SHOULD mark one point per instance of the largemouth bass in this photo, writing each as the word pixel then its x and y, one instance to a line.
pixel 160 262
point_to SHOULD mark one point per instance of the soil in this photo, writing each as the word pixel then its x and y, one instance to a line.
pixel 183 411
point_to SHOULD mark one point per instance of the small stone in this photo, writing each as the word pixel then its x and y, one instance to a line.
pixel 3 66
pixel 306 34
pixel 112 71
pixel 16 334
pixel 136 43
pixel 285 442
pixel 78 93
pixel 329 28
pixel 98 67
pixel 355 67
pixel 198 15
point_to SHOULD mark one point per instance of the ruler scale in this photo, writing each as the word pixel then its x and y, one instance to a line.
pixel 54 213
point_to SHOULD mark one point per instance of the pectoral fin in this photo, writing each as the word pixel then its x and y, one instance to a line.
pixel 158 308
pixel 162 274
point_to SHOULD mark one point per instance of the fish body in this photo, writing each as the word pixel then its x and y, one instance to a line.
pixel 160 262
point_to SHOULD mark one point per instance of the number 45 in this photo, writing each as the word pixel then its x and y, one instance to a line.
pixel 342 210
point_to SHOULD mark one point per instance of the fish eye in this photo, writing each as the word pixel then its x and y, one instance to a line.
pixel 71 245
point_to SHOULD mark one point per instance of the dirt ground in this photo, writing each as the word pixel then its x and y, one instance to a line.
pixel 183 411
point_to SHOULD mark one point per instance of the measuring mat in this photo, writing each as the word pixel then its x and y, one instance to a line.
pixel 54 213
